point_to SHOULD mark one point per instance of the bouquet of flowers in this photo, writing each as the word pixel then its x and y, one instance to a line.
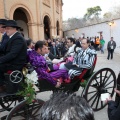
pixel 28 88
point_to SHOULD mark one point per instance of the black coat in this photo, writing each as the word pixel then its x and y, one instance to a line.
pixel 113 110
pixel 78 44
pixel 52 51
pixel 15 52
pixel 109 45
pixel 3 43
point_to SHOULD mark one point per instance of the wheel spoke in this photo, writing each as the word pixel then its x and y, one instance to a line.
pixel 18 77
pixel 94 100
pixel 109 87
pixel 91 92
pixel 97 102
pixel 109 83
pixel 100 77
pixel 36 111
pixel 101 103
pixel 96 81
pixel 10 103
pixel 24 111
pixel 105 76
pixel 92 97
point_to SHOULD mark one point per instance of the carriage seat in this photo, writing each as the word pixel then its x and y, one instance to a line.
pixel 87 72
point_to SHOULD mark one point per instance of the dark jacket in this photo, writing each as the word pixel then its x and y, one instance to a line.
pixel 113 110
pixel 78 43
pixel 52 51
pixel 109 45
pixel 15 52
pixel 3 43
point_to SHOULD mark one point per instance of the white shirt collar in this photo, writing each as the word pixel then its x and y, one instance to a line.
pixel 13 34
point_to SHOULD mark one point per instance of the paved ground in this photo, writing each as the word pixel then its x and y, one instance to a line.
pixel 102 62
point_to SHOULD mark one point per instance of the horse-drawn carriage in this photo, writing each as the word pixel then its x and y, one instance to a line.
pixel 102 81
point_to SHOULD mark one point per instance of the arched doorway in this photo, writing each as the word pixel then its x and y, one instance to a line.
pixel 21 18
pixel 46 27
pixel 57 27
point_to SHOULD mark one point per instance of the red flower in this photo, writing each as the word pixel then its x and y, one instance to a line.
pixel 82 80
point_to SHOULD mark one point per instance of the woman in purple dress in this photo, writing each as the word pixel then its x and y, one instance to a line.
pixel 36 59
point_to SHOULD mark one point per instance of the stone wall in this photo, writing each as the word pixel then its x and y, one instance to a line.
pixel 94 30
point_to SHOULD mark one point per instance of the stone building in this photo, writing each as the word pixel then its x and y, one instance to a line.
pixel 38 19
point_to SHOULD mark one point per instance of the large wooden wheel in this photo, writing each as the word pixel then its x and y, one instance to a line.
pixel 24 111
pixel 102 81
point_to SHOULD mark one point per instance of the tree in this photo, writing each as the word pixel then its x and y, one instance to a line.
pixel 107 15
pixel 73 23
pixel 92 12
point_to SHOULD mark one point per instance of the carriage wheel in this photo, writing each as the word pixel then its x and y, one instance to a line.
pixel 8 102
pixel 24 111
pixel 103 81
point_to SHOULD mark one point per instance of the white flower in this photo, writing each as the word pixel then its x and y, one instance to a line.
pixel 33 78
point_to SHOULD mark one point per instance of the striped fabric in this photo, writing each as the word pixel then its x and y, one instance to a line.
pixel 82 59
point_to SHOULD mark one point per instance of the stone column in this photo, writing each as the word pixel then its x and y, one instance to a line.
pixel 60 32
pixel 41 34
pixel 32 28
pixel 52 31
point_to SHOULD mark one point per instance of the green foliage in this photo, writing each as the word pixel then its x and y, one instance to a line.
pixel 92 12
pixel 28 92
pixel 83 83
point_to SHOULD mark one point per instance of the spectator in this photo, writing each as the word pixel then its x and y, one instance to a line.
pixel 71 45
pixel 48 55
pixel 5 37
pixel 78 42
pixel 102 43
pixel 64 47
pixel 54 50
pixel 64 106
pixel 113 108
pixel 30 44
pixel 111 47
pixel 97 43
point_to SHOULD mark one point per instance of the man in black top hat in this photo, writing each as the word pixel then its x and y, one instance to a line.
pixel 15 52
pixel 5 38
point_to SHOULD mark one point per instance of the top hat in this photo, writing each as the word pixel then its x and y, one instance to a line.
pixel 3 21
pixel 11 23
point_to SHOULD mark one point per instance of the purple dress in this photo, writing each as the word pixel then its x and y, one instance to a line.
pixel 41 68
